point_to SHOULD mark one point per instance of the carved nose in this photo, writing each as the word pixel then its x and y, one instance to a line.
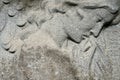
pixel 96 30
pixel 81 13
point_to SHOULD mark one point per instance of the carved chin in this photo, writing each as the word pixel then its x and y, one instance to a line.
pixel 77 38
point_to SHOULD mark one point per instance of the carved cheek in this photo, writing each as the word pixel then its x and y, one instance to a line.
pixel 104 14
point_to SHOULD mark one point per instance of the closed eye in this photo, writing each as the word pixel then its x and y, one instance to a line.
pixel 90 7
pixel 71 4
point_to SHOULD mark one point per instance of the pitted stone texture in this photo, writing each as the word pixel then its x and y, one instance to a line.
pixel 59 39
pixel 45 64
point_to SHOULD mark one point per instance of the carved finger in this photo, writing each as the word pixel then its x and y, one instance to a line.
pixel 12 49
pixel 87 47
pixel 83 43
pixel 16 46
pixel 6 46
pixel 93 41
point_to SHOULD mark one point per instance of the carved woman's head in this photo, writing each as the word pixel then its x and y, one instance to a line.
pixel 95 15
pixel 81 18
pixel 107 10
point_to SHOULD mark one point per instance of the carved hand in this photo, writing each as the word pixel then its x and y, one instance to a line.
pixel 14 46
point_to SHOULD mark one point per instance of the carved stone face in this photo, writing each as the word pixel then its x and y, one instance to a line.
pixel 79 20
pixel 94 15
pixel 91 19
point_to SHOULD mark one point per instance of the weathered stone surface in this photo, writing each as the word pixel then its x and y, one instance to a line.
pixel 59 39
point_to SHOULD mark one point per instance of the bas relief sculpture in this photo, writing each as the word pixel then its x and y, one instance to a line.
pixel 59 39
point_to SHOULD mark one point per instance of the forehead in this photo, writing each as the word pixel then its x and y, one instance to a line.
pixel 100 1
pixel 111 4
